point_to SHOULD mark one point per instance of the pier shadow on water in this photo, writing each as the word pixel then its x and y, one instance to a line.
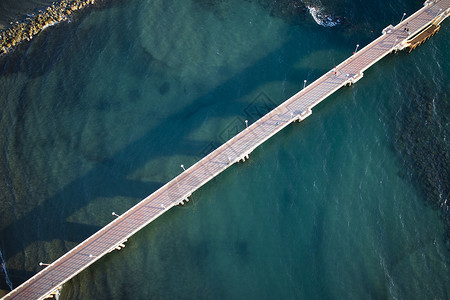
pixel 109 177
pixel 48 221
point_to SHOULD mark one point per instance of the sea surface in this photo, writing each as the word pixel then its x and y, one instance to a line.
pixel 99 112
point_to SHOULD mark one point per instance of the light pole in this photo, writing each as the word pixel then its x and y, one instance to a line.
pixel 114 214
pixel 304 83
pixel 182 166
pixel 396 40
pixel 42 264
pixel 404 14
pixel 246 123
pixel 357 46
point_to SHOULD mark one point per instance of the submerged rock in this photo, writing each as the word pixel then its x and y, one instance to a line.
pixel 164 88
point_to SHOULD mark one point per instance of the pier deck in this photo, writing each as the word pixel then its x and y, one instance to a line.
pixel 175 192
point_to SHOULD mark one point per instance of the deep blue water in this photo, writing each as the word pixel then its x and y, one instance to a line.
pixel 100 112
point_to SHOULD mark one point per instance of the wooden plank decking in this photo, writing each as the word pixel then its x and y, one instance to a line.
pixel 298 107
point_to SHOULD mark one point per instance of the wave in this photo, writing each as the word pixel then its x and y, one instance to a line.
pixel 323 19
pixel 49 25
pixel 3 263
pixel 294 11
pixel 66 19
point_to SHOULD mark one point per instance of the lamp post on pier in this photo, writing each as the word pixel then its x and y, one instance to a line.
pixel 43 264
pixel 114 214
pixel 395 43
pixel 404 14
pixel 182 166
pixel 304 83
pixel 246 123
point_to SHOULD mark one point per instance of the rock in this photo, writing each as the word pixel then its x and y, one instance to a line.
pixel 33 24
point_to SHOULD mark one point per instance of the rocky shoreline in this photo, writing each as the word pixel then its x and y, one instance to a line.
pixel 27 28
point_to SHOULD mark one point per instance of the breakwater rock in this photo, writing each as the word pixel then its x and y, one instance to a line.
pixel 26 29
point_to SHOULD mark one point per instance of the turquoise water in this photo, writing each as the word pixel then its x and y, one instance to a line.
pixel 100 112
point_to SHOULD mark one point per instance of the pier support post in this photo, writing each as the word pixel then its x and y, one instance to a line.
pixel 54 294
pixel 353 79
pixel 185 199
pixel 245 156
pixel 118 247
pixel 304 114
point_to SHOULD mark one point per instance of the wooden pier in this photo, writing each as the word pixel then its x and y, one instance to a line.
pixel 409 33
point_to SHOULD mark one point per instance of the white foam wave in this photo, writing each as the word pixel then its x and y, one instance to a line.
pixel 2 261
pixel 322 19
pixel 49 25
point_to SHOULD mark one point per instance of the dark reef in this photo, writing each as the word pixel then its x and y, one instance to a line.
pixel 423 141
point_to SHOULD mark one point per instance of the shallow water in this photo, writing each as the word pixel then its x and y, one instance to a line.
pixel 100 112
